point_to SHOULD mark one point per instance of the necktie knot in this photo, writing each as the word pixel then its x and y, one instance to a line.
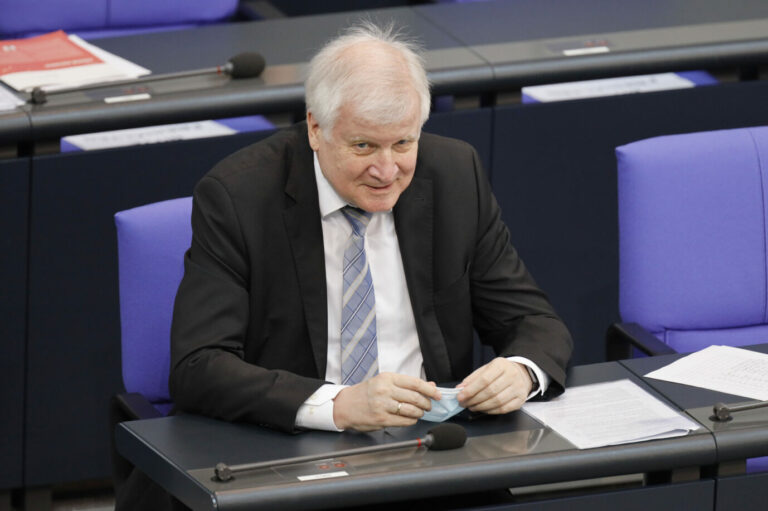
pixel 357 218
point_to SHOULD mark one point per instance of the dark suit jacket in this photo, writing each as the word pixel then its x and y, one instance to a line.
pixel 250 321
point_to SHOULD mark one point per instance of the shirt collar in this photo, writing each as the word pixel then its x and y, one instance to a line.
pixel 330 201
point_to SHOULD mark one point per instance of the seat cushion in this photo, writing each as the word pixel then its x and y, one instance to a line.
pixel 20 19
pixel 38 16
pixel 692 222
pixel 688 341
pixel 134 13
pixel 152 240
pixel 757 464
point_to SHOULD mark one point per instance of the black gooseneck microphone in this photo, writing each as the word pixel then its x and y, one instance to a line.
pixel 248 64
pixel 440 438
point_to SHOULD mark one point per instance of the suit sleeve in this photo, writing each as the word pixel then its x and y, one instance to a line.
pixel 510 312
pixel 209 373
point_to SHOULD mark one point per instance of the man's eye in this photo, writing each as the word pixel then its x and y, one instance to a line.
pixel 362 145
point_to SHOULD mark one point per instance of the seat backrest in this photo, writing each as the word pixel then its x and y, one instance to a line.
pixel 151 241
pixel 692 237
pixel 120 16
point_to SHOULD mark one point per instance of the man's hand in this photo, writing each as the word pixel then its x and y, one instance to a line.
pixel 388 399
pixel 500 386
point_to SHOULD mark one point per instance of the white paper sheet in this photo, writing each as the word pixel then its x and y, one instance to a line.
pixel 8 100
pixel 607 87
pixel 611 413
pixel 721 368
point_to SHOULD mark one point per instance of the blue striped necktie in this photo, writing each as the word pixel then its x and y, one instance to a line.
pixel 359 353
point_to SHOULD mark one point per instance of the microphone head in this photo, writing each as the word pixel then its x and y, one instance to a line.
pixel 447 436
pixel 721 413
pixel 248 64
pixel 222 472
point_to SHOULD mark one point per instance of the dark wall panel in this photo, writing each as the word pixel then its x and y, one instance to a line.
pixel 473 126
pixel 693 496
pixel 14 194
pixel 74 334
pixel 742 493
pixel 554 173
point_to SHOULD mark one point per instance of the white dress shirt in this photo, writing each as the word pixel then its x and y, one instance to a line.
pixel 397 339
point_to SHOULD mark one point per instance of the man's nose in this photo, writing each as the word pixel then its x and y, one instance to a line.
pixel 385 167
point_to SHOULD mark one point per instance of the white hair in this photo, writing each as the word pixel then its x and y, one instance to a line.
pixel 374 87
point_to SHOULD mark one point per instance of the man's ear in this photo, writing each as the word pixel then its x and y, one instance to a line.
pixel 314 132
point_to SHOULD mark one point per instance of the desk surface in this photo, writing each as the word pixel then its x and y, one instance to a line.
pixel 528 42
pixel 514 450
pixel 470 48
pixel 742 437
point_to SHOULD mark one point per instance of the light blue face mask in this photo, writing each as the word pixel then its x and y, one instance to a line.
pixel 444 409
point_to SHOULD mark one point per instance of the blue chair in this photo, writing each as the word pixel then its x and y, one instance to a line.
pixel 104 18
pixel 152 240
pixel 692 243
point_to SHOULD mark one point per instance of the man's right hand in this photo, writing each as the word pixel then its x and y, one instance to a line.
pixel 387 399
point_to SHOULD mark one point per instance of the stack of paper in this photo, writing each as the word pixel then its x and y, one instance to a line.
pixel 721 368
pixel 612 413
pixel 56 60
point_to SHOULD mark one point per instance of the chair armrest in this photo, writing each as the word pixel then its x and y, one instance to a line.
pixel 621 337
pixel 135 406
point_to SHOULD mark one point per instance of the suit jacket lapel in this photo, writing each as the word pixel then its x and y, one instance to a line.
pixel 303 225
pixel 413 214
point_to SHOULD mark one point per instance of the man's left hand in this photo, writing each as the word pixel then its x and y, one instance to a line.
pixel 498 387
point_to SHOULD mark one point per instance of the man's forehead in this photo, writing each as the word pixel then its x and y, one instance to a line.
pixel 352 123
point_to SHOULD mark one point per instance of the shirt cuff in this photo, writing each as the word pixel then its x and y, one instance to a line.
pixel 317 411
pixel 540 375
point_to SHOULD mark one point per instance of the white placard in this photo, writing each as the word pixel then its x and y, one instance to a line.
pixel 607 87
pixel 326 475
pixel 149 135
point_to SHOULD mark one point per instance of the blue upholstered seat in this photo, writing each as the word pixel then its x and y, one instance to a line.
pixel 102 18
pixel 692 237
pixel 152 240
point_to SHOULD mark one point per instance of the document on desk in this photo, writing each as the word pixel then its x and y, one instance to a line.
pixel 57 60
pixel 611 413
pixel 722 369
pixel 8 100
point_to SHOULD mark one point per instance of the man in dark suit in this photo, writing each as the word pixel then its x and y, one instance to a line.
pixel 356 218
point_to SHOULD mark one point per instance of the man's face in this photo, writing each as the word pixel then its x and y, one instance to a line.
pixel 368 164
